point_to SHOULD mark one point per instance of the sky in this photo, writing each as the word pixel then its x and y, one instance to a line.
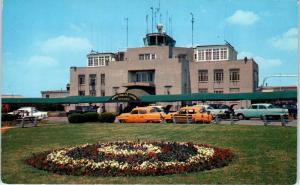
pixel 42 39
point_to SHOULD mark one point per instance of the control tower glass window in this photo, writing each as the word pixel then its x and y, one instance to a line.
pixel 160 40
pixel 152 41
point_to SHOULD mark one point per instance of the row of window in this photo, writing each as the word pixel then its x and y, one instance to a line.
pixel 147 56
pixel 99 61
pixel 219 90
pixel 92 80
pixel 92 93
pixel 211 54
pixel 234 75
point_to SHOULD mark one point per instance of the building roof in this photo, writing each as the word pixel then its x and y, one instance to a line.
pixel 55 91
pixel 280 95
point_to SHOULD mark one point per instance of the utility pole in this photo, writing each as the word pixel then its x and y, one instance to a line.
pixel 192 30
pixel 152 17
pixel 126 31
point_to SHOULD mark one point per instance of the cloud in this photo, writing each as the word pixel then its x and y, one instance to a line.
pixel 44 61
pixel 262 61
pixel 66 44
pixel 242 17
pixel 286 41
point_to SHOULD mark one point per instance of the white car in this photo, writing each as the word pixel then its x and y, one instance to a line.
pixel 214 112
pixel 30 111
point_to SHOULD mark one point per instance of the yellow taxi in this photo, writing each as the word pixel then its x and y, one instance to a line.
pixel 142 115
pixel 192 114
pixel 169 116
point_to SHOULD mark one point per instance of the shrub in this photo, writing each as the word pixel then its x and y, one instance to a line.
pixel 76 118
pixel 91 116
pixel 7 117
pixel 107 117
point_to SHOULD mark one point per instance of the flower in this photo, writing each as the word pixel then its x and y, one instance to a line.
pixel 134 158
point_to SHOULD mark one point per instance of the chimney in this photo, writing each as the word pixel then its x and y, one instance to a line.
pixel 245 59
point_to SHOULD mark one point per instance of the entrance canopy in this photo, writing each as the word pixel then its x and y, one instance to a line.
pixel 280 95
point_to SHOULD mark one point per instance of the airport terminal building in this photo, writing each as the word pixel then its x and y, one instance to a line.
pixel 160 67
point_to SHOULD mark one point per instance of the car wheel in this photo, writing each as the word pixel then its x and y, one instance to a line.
pixel 241 116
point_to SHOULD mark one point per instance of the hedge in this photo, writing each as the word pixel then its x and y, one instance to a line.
pixel 107 117
pixel 91 116
pixel 76 118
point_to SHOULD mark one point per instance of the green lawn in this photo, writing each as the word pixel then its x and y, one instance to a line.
pixel 265 154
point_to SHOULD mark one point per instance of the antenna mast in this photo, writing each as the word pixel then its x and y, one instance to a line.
pixel 192 30
pixel 152 17
pixel 126 31
pixel 147 22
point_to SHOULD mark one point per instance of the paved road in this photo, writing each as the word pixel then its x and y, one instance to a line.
pixel 292 123
pixel 240 122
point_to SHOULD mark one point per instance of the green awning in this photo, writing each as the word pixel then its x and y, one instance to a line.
pixel 280 95
pixel 66 100
pixel 221 97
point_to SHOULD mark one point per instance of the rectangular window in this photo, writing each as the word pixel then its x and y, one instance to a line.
pixel 168 89
pixel 218 91
pixel 223 52
pixel 102 79
pixel 90 62
pixel 215 54
pixel 81 93
pixel 101 61
pixel 106 58
pixel 96 61
pixel 202 90
pixel 218 75
pixel 201 55
pixel 150 77
pixel 102 92
pixel 141 57
pixel 147 56
pixel 234 75
pixel 234 90
pixel 92 92
pixel 81 79
pixel 208 54
pixel 203 76
pixel 92 83
pixel 153 56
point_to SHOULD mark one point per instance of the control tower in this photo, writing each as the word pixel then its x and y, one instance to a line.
pixel 159 39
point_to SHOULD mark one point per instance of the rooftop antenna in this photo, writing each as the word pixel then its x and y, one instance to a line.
pixel 147 22
pixel 160 17
pixel 152 17
pixel 159 11
pixel 192 29
pixel 155 17
pixel 170 24
pixel 126 31
pixel 167 22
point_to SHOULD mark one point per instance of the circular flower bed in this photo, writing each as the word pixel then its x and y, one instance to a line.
pixel 131 158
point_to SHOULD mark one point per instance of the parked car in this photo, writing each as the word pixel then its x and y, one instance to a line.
pixel 259 110
pixel 193 114
pixel 214 111
pixel 142 115
pixel 169 116
pixel 82 109
pixel 292 108
pixel 28 112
